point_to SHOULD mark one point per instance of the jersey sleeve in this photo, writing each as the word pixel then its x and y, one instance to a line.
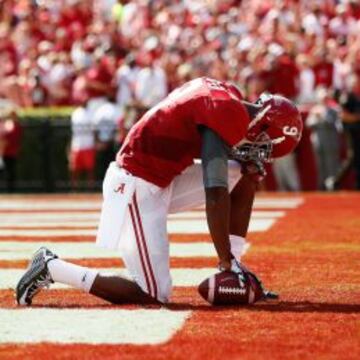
pixel 228 118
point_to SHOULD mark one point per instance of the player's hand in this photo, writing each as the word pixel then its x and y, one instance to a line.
pixel 235 267
pixel 254 169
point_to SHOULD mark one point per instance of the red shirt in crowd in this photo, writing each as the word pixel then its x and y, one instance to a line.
pixel 99 73
pixel 323 73
pixel 284 78
pixel 10 131
pixel 166 139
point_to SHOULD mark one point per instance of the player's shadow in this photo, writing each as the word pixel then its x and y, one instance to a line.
pixel 280 306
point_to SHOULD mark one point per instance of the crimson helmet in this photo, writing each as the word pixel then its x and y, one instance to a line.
pixel 278 122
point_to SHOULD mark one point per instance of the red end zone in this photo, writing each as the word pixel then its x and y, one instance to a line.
pixel 311 256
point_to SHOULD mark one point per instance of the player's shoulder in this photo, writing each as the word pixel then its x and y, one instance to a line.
pixel 223 90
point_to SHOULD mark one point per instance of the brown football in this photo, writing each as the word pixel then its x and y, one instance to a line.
pixel 225 288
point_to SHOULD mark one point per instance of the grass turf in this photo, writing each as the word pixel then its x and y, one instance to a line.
pixel 311 256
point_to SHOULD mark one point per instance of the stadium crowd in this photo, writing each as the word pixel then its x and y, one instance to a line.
pixel 132 53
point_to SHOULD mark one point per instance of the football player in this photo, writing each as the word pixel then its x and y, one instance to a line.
pixel 155 174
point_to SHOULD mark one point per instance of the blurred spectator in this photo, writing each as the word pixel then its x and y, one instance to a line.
pixel 342 24
pixel 323 69
pixel 286 173
pixel 324 121
pixel 306 80
pixel 284 76
pixel 350 115
pixel 82 148
pixel 100 76
pixel 58 78
pixel 126 79
pixel 69 52
pixel 79 48
pixel 10 143
pixel 342 70
pixel 151 85
pixel 106 120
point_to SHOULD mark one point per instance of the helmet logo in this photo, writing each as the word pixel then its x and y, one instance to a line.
pixel 291 131
pixel 259 116
pixel 278 140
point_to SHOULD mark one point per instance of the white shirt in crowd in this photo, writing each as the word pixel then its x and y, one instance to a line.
pixel 83 137
pixel 151 86
pixel 341 74
pixel 306 85
pixel 106 120
pixel 54 79
pixel 313 24
pixel 126 78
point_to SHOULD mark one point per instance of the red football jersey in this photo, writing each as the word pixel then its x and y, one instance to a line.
pixel 166 139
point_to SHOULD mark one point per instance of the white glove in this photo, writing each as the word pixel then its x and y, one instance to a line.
pixel 236 268
pixel 239 246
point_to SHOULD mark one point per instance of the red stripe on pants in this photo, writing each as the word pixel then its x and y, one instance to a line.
pixel 139 248
pixel 142 237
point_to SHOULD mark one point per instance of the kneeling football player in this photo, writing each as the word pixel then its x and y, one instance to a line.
pixel 155 174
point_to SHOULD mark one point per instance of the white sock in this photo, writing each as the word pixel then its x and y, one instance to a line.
pixel 239 246
pixel 70 274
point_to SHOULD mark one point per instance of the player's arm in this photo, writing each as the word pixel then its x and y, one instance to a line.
pixel 215 175
pixel 241 199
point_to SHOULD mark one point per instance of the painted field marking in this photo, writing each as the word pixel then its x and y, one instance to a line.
pixel 14 217
pixel 14 250
pixel 91 219
pixel 15 204
pixel 50 205
pixel 256 214
pixel 201 226
pixel 181 277
pixel 277 203
pixel 188 226
pixel 101 326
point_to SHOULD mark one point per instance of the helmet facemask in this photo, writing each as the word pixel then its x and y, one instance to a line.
pixel 256 151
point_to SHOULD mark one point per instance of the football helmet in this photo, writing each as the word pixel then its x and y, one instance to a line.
pixel 278 124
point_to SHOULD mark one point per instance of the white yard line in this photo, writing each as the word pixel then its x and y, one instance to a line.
pixel 102 326
pixel 45 218
pixel 48 217
pixel 13 250
pixel 15 204
pixel 278 203
pixel 49 205
pixel 202 215
pixel 188 226
pixel 201 227
pixel 47 225
pixel 181 277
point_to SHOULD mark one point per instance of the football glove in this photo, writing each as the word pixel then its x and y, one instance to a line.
pixel 236 268
pixel 254 168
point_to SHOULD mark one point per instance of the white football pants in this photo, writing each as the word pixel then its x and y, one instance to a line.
pixel 133 220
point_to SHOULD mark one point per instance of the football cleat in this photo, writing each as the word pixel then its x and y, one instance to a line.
pixel 36 277
pixel 270 295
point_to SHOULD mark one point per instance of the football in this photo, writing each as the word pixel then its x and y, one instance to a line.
pixel 226 288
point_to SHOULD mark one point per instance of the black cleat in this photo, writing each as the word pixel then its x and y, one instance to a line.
pixel 36 277
pixel 270 295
